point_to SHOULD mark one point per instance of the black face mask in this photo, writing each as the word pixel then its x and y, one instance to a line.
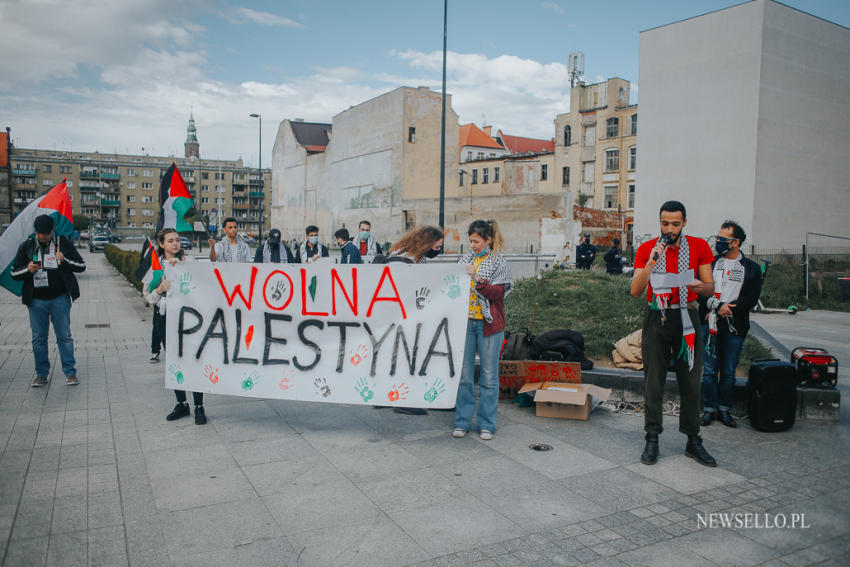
pixel 432 253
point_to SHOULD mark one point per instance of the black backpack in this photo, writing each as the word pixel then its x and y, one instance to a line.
pixel 384 259
pixel 564 343
pixel 518 345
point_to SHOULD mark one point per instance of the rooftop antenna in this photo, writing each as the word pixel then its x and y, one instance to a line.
pixel 576 67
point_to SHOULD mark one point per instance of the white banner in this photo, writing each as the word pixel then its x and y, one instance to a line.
pixel 390 334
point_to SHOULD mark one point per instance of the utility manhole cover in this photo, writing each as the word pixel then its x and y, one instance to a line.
pixel 540 447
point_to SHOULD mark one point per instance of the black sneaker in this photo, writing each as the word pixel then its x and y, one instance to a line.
pixel 180 410
pixel 696 451
pixel 200 416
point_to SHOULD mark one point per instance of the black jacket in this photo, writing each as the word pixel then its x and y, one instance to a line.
pixel 282 254
pixel 72 263
pixel 350 254
pixel 747 299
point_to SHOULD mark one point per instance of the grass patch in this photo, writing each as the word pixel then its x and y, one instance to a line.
pixel 784 285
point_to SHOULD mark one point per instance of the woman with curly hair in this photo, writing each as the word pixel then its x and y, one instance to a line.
pixel 418 245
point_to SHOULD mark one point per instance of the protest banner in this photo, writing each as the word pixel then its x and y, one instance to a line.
pixel 380 334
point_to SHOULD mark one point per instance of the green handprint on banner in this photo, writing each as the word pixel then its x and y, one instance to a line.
pixel 437 388
pixel 250 380
pixel 452 289
pixel 363 388
pixel 186 285
pixel 176 372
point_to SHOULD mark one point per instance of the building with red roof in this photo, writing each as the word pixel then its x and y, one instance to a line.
pixel 517 145
pixel 476 143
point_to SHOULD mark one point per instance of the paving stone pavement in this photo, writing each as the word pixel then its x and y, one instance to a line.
pixel 94 475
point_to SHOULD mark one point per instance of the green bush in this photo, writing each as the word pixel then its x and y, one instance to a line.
pixel 126 262
pixel 784 286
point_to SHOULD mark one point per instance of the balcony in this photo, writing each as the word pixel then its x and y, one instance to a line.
pixel 257 194
pixel 84 189
pixel 109 203
pixel 22 200
pixel 255 182
pixel 109 176
pixel 24 172
pixel 89 175
pixel 22 186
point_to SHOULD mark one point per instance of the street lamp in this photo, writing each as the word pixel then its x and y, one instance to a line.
pixel 260 171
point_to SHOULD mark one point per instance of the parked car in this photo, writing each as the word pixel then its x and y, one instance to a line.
pixel 84 235
pixel 250 240
pixel 185 243
pixel 98 242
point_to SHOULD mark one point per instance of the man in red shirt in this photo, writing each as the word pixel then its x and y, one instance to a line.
pixel 677 269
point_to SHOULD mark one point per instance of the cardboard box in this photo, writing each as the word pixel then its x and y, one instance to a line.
pixel 565 401
pixel 513 374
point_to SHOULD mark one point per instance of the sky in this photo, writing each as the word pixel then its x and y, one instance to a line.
pixel 119 76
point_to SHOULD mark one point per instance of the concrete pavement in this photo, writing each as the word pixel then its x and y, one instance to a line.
pixel 94 475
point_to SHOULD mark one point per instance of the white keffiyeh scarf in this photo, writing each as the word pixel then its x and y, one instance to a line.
pixel 662 285
pixel 728 281
pixel 241 253
pixel 267 254
pixel 371 248
pixel 496 270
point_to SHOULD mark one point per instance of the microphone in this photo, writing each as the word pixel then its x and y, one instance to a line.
pixel 667 240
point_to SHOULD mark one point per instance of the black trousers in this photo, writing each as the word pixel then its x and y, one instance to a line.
pixel 159 328
pixel 660 343
pixel 156 343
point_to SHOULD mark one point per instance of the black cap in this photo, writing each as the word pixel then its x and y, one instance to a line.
pixel 43 224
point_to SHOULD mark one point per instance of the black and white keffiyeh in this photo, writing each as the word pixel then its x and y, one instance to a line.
pixel 371 245
pixel 267 254
pixel 238 252
pixel 728 281
pixel 662 285
pixel 496 270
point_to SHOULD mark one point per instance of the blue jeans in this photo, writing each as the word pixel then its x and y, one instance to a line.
pixel 488 379
pixel 719 392
pixel 42 312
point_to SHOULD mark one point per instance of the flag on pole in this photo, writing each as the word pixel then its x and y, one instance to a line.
pixel 174 203
pixel 56 203
pixel 154 273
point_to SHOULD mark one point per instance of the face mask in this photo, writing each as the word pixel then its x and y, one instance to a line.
pixel 364 235
pixel 483 252
pixel 433 253
pixel 313 240
pixel 721 246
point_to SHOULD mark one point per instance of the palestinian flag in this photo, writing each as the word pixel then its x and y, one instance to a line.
pixel 174 202
pixel 56 203
pixel 154 273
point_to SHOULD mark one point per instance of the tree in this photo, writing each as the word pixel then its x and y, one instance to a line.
pixel 81 222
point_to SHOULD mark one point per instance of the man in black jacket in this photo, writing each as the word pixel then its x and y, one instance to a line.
pixel 585 254
pixel 725 321
pixel 273 250
pixel 46 264
pixel 613 259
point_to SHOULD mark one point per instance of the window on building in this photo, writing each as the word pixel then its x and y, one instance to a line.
pixel 147 225
pixel 131 212
pixel 112 170
pixel 46 168
pixel 609 199
pixel 47 182
pixel 147 173
pixel 612 128
pixel 147 212
pixel 633 158
pixel 131 185
pixel 205 187
pixel 147 185
pixel 565 177
pixel 485 175
pixel 205 200
pixel 544 172
pixel 468 156
pixel 492 154
pixel 219 176
pixel 131 198
pixel 147 199
pixel 568 135
pixel 131 172
pixel 634 124
pixel 495 175
pixel 631 199
pixel 219 201
pixel 480 155
pixel 460 179
pixel 205 175
pixel 411 134
pixel 64 169
pixel 474 176
pixel 612 160
pixel 131 224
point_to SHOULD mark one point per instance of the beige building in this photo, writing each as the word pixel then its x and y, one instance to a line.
pixel 121 190
pixel 596 147
pixel 380 160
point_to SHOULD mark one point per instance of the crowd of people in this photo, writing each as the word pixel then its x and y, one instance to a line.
pixel 697 314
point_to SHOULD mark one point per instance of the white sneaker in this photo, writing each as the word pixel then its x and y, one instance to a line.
pixel 485 435
pixel 458 432
pixel 154 358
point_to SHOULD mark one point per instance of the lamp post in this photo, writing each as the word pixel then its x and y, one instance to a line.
pixel 441 222
pixel 260 171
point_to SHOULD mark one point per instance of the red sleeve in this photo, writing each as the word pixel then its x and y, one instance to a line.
pixel 491 292
pixel 642 255
pixel 705 255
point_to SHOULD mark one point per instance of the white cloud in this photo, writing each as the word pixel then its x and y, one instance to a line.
pixel 265 18
pixel 552 6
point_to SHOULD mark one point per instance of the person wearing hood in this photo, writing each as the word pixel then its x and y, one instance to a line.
pixel 46 264
pixel 367 246
pixel 613 258
pixel 585 253
pixel 273 250
pixel 310 250
pixel 350 254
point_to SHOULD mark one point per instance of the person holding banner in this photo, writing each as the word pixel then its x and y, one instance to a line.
pixel 417 245
pixel 231 248
pixel 273 250
pixel 368 246
pixel 350 254
pixel 491 283
pixel 171 253
pixel 310 250
pixel 47 264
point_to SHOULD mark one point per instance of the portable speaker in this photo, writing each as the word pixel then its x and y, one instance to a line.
pixel 773 395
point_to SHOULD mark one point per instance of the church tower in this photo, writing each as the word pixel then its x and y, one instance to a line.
pixel 191 146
